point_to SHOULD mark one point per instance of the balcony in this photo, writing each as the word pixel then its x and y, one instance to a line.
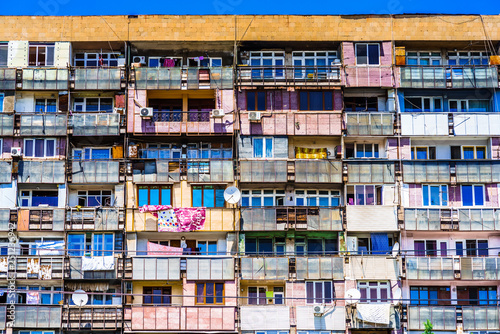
pixel 303 123
pixel 45 79
pixel 40 219
pixel 209 269
pixel 424 124
pixel 156 171
pixel 269 317
pixel 333 319
pixel 95 171
pixel 368 76
pixel 216 220
pixel 370 171
pixel 38 317
pixel 426 171
pixel 286 218
pixel 476 124
pixel 447 268
pixel 98 219
pixel 360 218
pixel 292 76
pixel 438 77
pixel 156 267
pixel 92 318
pixel 394 318
pixel 369 123
pixel 264 268
pixel 181 318
pixel 373 267
pixel 6 124
pixel 73 270
pixel 445 317
pixel 423 219
pixel 486 171
pixel 5 218
pixel 95 124
pixel 308 268
pixel 44 267
pixel 47 171
pixel 5 171
pixel 210 170
pixel 43 125
pixel 99 78
pixel 7 78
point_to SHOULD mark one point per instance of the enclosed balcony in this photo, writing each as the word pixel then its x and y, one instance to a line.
pixel 486 171
pixel 181 318
pixel 370 172
pixel 7 78
pixel 448 317
pixel 6 216
pixel 447 268
pixel 41 219
pixel 368 76
pixel 156 268
pixel 5 171
pixel 109 317
pixel 423 219
pixel 74 268
pixel 96 171
pixel 268 317
pixel 210 170
pixel 95 124
pixel 98 78
pixel 424 124
pixel 373 267
pixel 476 124
pixel 6 124
pixel 47 171
pixel 45 79
pixel 156 170
pixel 37 317
pixel 264 268
pixel 43 125
pixel 286 218
pixel 209 269
pixel 360 218
pixel 334 318
pixel 436 77
pixel 394 316
pixel 369 124
pixel 308 268
pixel 95 218
pixel 35 268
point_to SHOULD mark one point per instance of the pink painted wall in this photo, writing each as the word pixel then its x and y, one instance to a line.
pixel 491 191
pixel 9 142
pixel 495 148
pixel 392 148
pixel 454 195
pixel 415 195
pixel 405 149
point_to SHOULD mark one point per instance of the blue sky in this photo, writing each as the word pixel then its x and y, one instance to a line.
pixel 114 7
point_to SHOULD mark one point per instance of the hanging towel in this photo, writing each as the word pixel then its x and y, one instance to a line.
pixel 181 220
pixel 167 221
pixel 155 249
pixel 377 313
pixel 98 263
pixel 380 243
pixel 190 219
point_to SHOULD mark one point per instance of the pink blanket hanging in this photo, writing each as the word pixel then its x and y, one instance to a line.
pixel 176 219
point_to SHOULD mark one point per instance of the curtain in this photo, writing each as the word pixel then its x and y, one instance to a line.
pixel 380 243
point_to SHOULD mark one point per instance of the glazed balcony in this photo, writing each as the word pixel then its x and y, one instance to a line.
pixel 156 267
pixel 160 170
pixel 217 268
pixel 40 219
pixel 368 76
pixel 98 78
pixel 216 220
pixel 360 218
pixel 394 319
pixel 328 267
pixel 46 171
pixel 48 316
pixel 73 270
pixel 96 171
pixel 210 170
pixel 6 124
pixel 270 317
pixel 5 171
pixel 7 78
pixel 423 171
pixel 303 123
pixel 45 79
pixel 425 219
pixel 95 218
pixel 264 268
pixel 102 318
pixel 334 318
pixel 291 218
pixel 373 267
pixel 439 77
pixel 35 267
pixel 6 217
pixel 370 171
pixel 181 318
pixel 451 268
pixel 291 76
pixel 450 317
pixel 50 124
pixel 369 123
pixel 94 124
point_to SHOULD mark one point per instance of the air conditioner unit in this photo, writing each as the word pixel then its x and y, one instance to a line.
pixel 318 310
pixel 254 116
pixel 146 112
pixel 15 151
pixel 218 113
pixel 139 59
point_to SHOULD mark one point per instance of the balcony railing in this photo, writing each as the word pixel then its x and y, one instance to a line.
pixel 481 171
pixel 92 317
pixel 445 317
pixel 308 268
pixel 368 76
pixel 424 124
pixel 95 171
pixel 181 318
pixel 36 267
pixel 99 78
pixel 373 267
pixel 40 219
pixel 428 219
pixel 264 268
pixel 47 171
pixel 289 75
pixel 43 125
pixel 447 268
pixel 73 270
pixel 478 171
pixel 210 269
pixel 92 124
pixel 37 316
pixel 156 267
pixel 270 317
pixel 210 170
pixel 6 124
pixel 437 77
pixel 370 171
pixel 394 320
pixel 98 219
pixel 369 123
pixel 5 171
pixel 360 218
pixel 478 124
pixel 45 79
pixel 263 171
pixel 7 78
pixel 286 218
pixel 156 171
pixel 426 171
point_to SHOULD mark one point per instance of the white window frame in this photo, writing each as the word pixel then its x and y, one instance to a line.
pixel 470 56
pixel 432 102
pixel 274 56
pixel 265 332
pixel 159 61
pixel 264 147
pixel 367 55
pixel 1 147
pixel 427 148
pixel 464 247
pixel 322 292
pixel 438 247
pixel 31 243
pixel 85 195
pixel 106 57
pixel 461 108
pixel 475 147
pixel 45 146
pixel 373 146
pixel 308 194
pixel 281 294
pixel 30 196
pixel 45 104
pixel 276 194
pixel 195 150
pixel 381 285
pixel 441 202
pixel 375 199
pixel 258 287
pixel 39 46
pixel 170 148
pixel 84 103
pixel 103 251
pixel 206 244
pixel 420 55
pixel 300 56
pixel 473 195
pixel 210 61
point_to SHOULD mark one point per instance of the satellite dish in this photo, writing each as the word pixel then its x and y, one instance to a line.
pixel 397 295
pixel 80 298
pixel 352 296
pixel 395 249
pixel 232 195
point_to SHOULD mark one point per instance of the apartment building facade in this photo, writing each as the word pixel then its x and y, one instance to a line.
pixel 365 157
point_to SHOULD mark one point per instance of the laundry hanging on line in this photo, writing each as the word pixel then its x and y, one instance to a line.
pixel 176 219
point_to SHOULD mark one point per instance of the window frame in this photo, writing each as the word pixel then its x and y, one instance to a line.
pixel 475 150
pixel 257 94
pixel 203 187
pixel 442 201
pixel 375 153
pixel 45 147
pixel 258 297
pixel 2 99
pixel 210 61
pixel 419 55
pixel 277 196
pixel 473 195
pixel 375 197
pixel 83 153
pixel 164 296
pixel 84 195
pixel 467 105
pixel 357 45
pixel 427 252
pixel 38 47
pixel 456 56
pixel 45 105
pixel 214 297
pixel 4 48
pixel 102 252
pixel 264 147
pixel 160 187
pixel 432 103
pixel 30 197
pixel 109 58
pixel 206 245
pixel 465 250
pixel 83 104
pixel 323 97
pixel 381 285
pixel 317 195
pixel 428 149
pixel 323 299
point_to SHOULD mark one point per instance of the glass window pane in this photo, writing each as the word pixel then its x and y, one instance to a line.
pixel 478 195
pixel 467 195
pixel 258 147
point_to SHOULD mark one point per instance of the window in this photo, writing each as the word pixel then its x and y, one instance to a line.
pixel 468 58
pixel 204 62
pixel 93 59
pixel 4 51
pixel 48 295
pixel 319 292
pixel 322 60
pixel 477 295
pixel 266 197
pixel 364 195
pixel 375 292
pixel 430 247
pixel 209 151
pixel 472 195
pixel 166 110
pixel 90 198
pixel 374 243
pixel 199 109
pixel 263 246
pixel 366 151
pixel 430 295
pixel 210 293
pixel 435 195
pixel 316 100
pixel 154 195
pixel 267 59
pixel 418 104
pixel 101 299
pixel 263 147
pixel 207 247
pixel 161 151
pixel 2 95
pixel 367 54
pixel 257 295
pixel 209 196
pixel 91 153
pixel 279 295
pixel 472 248
pixel 473 152
pixel 157 295
pixel 317 197
pixel 256 101
pixel 423 152
pixel 469 105
pixel 38 197
pixel 101 243
pixel 41 55
pixel 88 104
pixel 164 61
pixel 423 58
pixel 39 148
pixel 319 246
pixel 45 105
pixel 360 103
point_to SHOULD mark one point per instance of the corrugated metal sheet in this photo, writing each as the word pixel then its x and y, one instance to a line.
pixel 360 218
pixel 333 318
pixel 265 317
pixel 156 268
pixel 210 269
pixel 476 124
pixel 373 267
pixel 424 124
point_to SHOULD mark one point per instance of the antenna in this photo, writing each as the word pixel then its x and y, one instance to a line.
pixel 232 195
pixel 397 296
pixel 80 298
pixel 352 296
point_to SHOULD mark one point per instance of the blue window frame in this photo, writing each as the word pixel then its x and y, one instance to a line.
pixel 472 195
